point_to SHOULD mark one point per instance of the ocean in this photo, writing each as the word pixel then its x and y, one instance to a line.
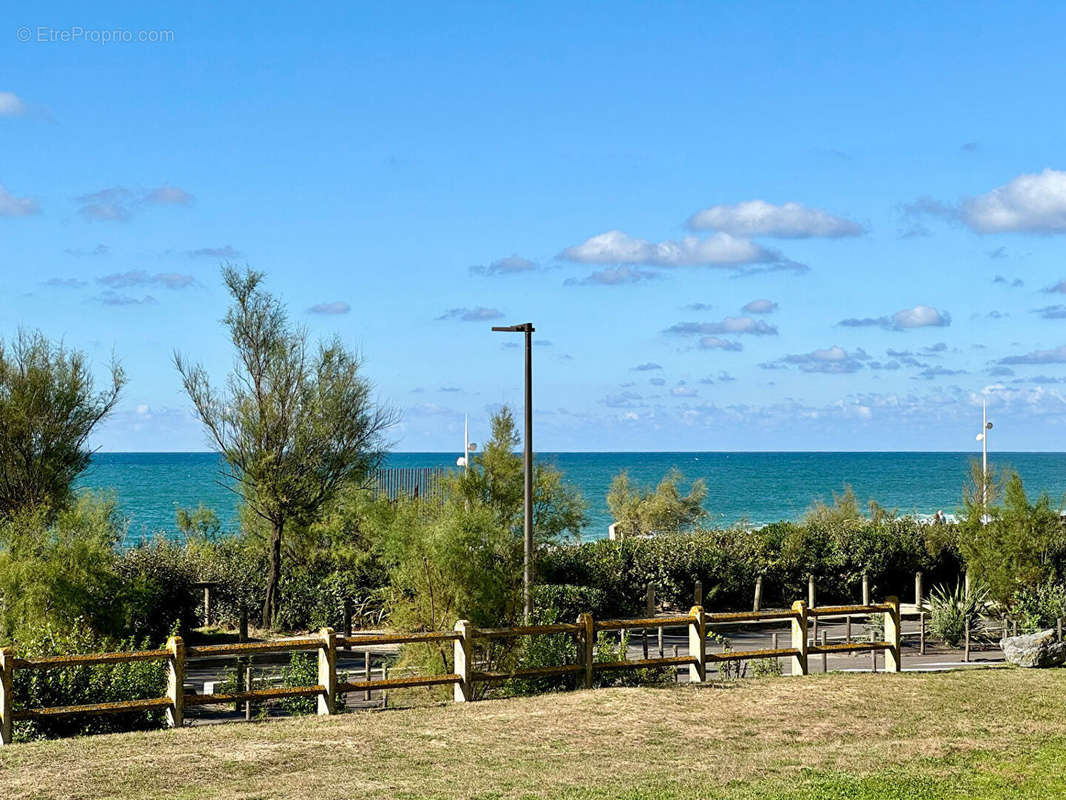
pixel 755 488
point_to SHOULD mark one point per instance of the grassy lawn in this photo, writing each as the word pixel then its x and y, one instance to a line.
pixel 998 733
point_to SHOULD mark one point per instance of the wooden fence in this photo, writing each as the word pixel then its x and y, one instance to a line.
pixel 465 638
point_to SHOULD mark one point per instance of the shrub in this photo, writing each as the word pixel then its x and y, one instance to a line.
pixel 53 572
pixel 1039 607
pixel 82 685
pixel 302 670
pixel 951 612
pixel 157 593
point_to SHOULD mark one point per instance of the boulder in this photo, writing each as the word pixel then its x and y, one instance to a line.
pixel 1040 649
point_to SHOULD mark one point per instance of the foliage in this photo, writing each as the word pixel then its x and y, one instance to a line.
pixel 58 568
pixel 1013 546
pixel 48 409
pixel 642 511
pixel 302 670
pixel 845 512
pixel 729 561
pixel 157 593
pixel 449 564
pixel 1039 607
pixel 82 685
pixel 293 425
pixel 495 481
pixel 951 611
pixel 200 522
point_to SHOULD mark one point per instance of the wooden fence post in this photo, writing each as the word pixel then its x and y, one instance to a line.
pixel 368 662
pixel 918 590
pixel 921 633
pixel 892 636
pixel 698 594
pixel 207 605
pixel 866 589
pixel 6 672
pixel 799 638
pixel 327 671
pixel 588 645
pixel 757 602
pixel 810 592
pixel 697 645
pixel 176 682
pixel 462 692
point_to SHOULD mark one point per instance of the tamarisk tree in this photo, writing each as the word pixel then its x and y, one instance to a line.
pixel 294 423
pixel 48 409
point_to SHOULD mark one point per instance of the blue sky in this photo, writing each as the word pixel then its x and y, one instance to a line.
pixel 735 226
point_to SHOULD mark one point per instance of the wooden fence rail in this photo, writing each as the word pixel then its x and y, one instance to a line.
pixel 464 675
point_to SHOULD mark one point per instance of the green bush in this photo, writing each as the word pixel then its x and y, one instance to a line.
pixel 1039 607
pixel 729 561
pixel 157 592
pixel 302 670
pixel 951 611
pixel 68 686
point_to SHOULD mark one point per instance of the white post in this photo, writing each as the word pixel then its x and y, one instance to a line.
pixel 892 636
pixel 697 645
pixel 176 682
pixel 327 671
pixel 984 456
pixel 799 638
pixel 463 662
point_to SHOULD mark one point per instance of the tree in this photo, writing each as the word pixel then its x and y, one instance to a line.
pixel 495 480
pixel 294 424
pixel 641 511
pixel 1016 546
pixel 48 409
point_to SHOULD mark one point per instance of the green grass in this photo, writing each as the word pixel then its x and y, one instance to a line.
pixel 974 735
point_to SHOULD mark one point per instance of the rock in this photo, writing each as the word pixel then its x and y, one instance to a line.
pixel 1038 649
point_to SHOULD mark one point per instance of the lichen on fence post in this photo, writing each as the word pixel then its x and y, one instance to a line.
pixel 892 636
pixel 799 638
pixel 588 645
pixel 327 672
pixel 697 645
pixel 6 672
pixel 176 681
pixel 463 662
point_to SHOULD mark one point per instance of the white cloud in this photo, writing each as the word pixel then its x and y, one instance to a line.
pixel 168 280
pixel 761 306
pixel 717 343
pixel 1029 203
pixel 511 265
pixel 617 247
pixel 11 206
pixel 1055 356
pixel 11 105
pixel 336 307
pixel 613 276
pixel 759 218
pixel 918 317
pixel 831 360
pixel 729 325
pixel 479 314
pixel 119 204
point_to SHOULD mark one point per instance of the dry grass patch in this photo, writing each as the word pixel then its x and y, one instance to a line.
pixel 613 741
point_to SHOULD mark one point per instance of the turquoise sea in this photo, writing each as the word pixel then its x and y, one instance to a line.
pixel 756 487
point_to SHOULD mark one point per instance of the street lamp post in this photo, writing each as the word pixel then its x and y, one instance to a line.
pixel 527 463
pixel 982 437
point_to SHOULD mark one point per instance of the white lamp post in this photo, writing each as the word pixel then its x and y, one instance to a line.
pixel 468 446
pixel 982 437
